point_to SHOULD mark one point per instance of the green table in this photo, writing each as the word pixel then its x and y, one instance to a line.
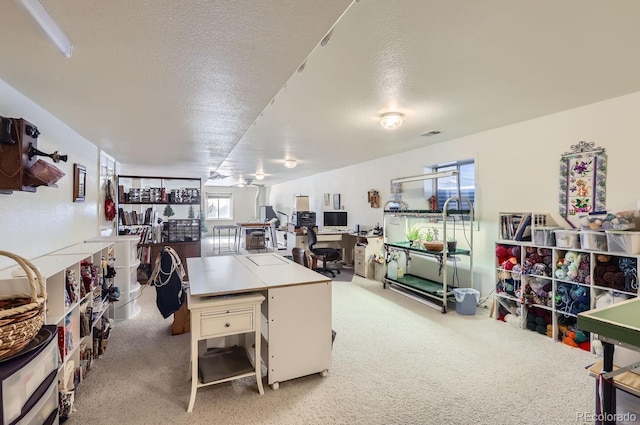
pixel 616 324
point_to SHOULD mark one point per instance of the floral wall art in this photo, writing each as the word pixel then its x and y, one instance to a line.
pixel 583 173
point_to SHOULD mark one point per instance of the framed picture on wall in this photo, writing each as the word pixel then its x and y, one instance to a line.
pixel 327 199
pixel 79 182
pixel 336 201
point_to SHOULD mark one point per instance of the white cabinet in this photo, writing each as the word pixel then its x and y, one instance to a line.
pixel 296 331
pixel 365 248
pixel 296 240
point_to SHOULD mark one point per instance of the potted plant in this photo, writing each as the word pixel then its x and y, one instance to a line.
pixel 413 234
pixel 452 244
pixel 431 242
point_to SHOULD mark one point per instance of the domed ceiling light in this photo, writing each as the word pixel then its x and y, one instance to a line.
pixel 391 120
pixel 290 163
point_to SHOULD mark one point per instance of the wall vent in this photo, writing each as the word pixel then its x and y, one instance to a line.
pixel 431 133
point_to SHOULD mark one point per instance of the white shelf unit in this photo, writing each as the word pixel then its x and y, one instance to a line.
pixel 126 279
pixel 531 295
pixel 420 281
pixel 67 302
pixel 430 276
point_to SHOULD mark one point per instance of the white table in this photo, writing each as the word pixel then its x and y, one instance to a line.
pixel 228 227
pixel 296 315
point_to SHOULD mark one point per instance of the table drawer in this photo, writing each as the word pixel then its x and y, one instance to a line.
pixel 233 322
pixel 359 250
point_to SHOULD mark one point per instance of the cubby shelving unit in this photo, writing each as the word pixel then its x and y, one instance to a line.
pixel 531 292
pixel 76 305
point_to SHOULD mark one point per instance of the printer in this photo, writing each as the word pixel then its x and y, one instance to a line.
pixel 303 218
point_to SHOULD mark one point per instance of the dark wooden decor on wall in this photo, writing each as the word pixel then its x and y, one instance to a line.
pixel 19 167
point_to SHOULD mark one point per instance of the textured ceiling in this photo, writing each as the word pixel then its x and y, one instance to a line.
pixel 190 87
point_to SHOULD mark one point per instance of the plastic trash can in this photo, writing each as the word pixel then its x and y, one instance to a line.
pixel 466 300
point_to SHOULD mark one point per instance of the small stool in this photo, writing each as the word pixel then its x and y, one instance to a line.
pixel 257 240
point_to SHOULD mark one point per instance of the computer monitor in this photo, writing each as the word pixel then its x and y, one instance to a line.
pixel 335 219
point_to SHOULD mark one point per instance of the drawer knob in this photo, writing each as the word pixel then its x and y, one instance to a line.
pixel 227 325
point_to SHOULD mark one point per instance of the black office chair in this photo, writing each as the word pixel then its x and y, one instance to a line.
pixel 327 254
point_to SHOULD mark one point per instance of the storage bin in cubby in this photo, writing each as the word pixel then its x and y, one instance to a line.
pixel 623 241
pixel 568 238
pixel 544 236
pixel 593 241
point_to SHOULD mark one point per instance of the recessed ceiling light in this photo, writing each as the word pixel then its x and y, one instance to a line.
pixel 259 176
pixel 290 163
pixel 391 120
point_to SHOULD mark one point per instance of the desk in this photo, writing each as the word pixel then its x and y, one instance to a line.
pixel 616 325
pixel 228 227
pixel 296 315
pixel 344 241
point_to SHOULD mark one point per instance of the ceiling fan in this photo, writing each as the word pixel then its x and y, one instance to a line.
pixel 214 175
pixel 248 183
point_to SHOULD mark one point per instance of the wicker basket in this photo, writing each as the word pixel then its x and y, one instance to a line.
pixel 21 317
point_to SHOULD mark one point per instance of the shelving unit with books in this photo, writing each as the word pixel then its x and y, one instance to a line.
pixel 145 201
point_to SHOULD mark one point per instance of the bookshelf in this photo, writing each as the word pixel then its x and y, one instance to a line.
pixel 161 211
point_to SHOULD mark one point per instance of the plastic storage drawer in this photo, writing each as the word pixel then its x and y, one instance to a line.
pixel 43 407
pixel 23 375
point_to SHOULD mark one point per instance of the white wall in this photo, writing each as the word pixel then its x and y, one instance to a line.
pixel 33 224
pixel 517 170
pixel 245 203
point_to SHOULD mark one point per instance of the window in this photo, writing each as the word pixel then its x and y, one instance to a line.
pixel 447 187
pixel 219 206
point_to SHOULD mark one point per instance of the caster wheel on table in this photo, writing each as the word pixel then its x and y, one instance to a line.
pixel 324 373
pixel 275 385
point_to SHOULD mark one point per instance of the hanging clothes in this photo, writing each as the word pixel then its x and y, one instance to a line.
pixel 167 276
pixel 109 203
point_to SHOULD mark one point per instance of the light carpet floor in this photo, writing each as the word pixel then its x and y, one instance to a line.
pixel 395 361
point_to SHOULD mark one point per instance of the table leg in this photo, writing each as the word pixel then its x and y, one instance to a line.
pixel 608 395
pixel 257 357
pixel 194 373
